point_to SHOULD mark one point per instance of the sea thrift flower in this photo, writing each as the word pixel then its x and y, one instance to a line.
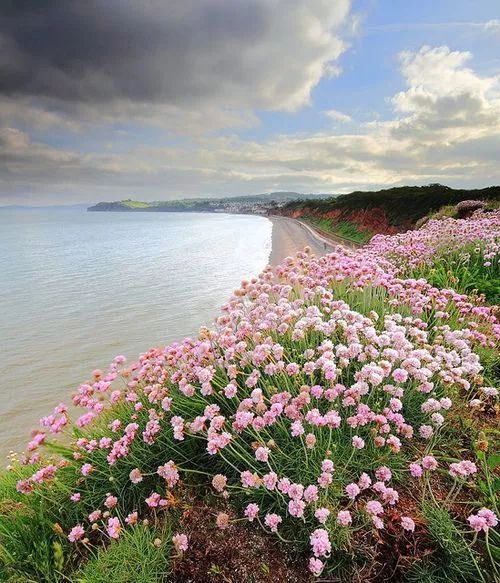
pixel 153 500
pixel 169 473
pixel 296 508
pixel 251 511
pixel 429 462
pixel 113 528
pixel 374 507
pixel 407 523
pixel 483 520
pixel 344 518
pixel 222 520
pixel 357 442
pixel 111 501
pixel 262 454
pixel 322 514
pixel 76 533
pixel 75 497
pixel 364 481
pixel 86 469
pixel 320 542
pixel 135 476
pixel 132 518
pixel 95 516
pixel 219 482
pixel 180 542
pixel 272 521
pixel 416 470
pixel 316 566
pixel 383 473
pixel 352 490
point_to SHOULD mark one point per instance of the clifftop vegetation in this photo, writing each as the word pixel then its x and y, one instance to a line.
pixel 361 214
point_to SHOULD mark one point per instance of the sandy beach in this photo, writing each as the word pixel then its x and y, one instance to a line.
pixel 290 236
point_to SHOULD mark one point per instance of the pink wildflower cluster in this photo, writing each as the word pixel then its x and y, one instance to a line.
pixel 290 387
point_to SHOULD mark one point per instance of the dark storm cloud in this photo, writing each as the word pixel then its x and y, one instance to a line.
pixel 243 53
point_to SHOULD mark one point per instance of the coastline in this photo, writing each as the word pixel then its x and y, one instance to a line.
pixel 290 236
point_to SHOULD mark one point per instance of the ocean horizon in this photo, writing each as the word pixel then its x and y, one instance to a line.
pixel 78 288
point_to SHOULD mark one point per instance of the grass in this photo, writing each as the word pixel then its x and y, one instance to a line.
pixel 463 269
pixel 345 229
pixel 141 555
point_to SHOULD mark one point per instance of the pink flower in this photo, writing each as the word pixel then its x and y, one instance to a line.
pixel 327 466
pixel 483 520
pixel 262 454
pixel 374 507
pixel 153 500
pixel 222 520
pixel 111 501
pixel 426 431
pixel 75 497
pixel 76 533
pixel 489 516
pixel 407 523
pixel 364 481
pixel 477 523
pixel 383 473
pixel 270 480
pixel 272 521
pixel 113 528
pixel 325 479
pixel 416 470
pixel 296 508
pixel 429 462
pixel 315 566
pixel 310 440
pixel 322 514
pixel 344 518
pixel 95 516
pixel 86 469
pixel 252 511
pixel 135 476
pixel 219 482
pixel 352 490
pixel 132 518
pixel 249 480
pixel 462 469
pixel 180 542
pixel 378 523
pixel 169 473
pixel 320 542
pixel 357 442
pixel 311 493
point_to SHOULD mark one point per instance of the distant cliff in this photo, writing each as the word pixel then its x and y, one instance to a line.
pixel 360 215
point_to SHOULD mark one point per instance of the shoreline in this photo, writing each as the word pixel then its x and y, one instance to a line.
pixel 290 236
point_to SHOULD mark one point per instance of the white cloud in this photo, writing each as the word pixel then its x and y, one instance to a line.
pixel 335 115
pixel 492 26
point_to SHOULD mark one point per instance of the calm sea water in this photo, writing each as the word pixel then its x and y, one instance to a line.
pixel 77 288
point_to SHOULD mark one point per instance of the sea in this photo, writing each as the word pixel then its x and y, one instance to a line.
pixel 78 288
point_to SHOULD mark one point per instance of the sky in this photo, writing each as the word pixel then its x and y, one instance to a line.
pixel 166 99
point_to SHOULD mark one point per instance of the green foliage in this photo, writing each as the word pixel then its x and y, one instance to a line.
pixel 453 559
pixel 344 229
pixel 30 547
pixel 464 270
pixel 402 205
pixel 134 558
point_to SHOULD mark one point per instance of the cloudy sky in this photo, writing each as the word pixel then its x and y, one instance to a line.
pixel 159 99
